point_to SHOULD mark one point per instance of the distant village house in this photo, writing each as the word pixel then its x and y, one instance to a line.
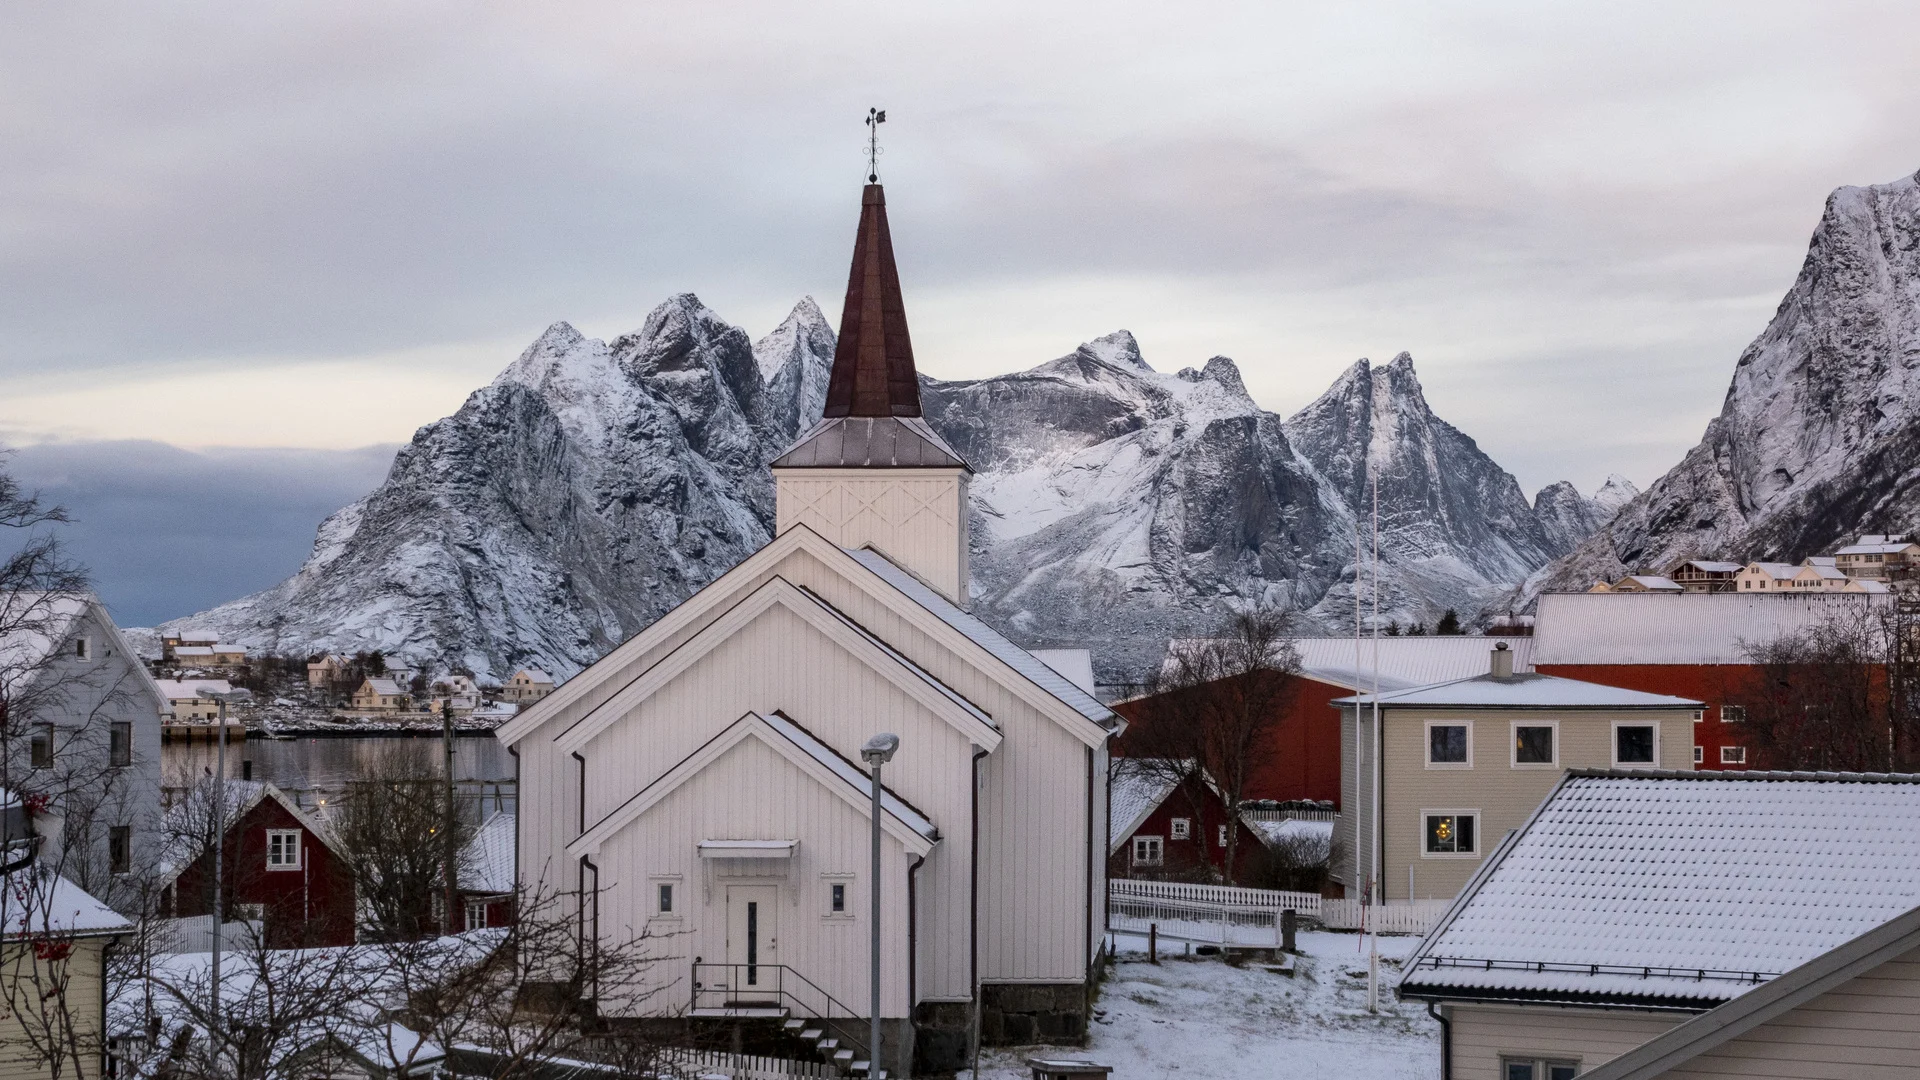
pixel 527 685
pixel 380 694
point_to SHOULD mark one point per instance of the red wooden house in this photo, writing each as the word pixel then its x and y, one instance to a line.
pixel 1692 646
pixel 487 875
pixel 282 866
pixel 1162 828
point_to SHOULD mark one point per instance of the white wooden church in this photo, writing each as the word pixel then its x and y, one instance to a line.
pixel 705 777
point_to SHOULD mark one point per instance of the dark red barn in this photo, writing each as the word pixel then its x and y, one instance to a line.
pixel 282 866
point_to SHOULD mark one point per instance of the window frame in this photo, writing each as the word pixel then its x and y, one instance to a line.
pixel 1741 760
pixel 1513 744
pixel 845 882
pixel 1699 754
pixel 1456 814
pixel 120 849
pixel 299 850
pixel 1157 843
pixel 120 744
pixel 1613 744
pixel 83 648
pixel 1180 828
pixel 42 735
pixel 1426 748
pixel 1539 1066
pixel 1739 714
pixel 471 907
pixel 675 897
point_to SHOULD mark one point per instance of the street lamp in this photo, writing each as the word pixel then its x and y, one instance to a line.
pixel 878 751
pixel 219 830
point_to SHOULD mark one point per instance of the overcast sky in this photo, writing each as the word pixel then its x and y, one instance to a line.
pixel 322 225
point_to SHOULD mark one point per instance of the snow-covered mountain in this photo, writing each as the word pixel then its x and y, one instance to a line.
pixel 1819 435
pixel 594 485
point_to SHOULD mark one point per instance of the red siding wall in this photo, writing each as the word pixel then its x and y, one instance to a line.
pixel 1715 684
pixel 1183 857
pixel 305 908
pixel 1305 762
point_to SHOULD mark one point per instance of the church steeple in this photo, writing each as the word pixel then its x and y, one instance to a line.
pixel 873 373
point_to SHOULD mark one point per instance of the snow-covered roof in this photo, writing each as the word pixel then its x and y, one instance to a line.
pixel 1528 691
pixel 35 900
pixel 1706 566
pixel 189 689
pixel 1823 571
pixel 1075 664
pixel 1311 839
pixel 533 674
pixel 1677 889
pixel 1697 628
pixel 1773 569
pixel 384 687
pixel 1404 661
pixel 487 864
pixel 1136 788
pixel 1868 585
pixel 852 774
pixel 1864 548
pixel 1651 582
pixel 1028 665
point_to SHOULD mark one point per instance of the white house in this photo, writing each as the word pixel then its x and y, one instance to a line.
pixel 1647 924
pixel 705 777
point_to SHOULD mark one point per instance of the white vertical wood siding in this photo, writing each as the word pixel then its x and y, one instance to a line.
pixel 917 516
pixel 1867 1027
pixel 753 793
pixel 1482 1034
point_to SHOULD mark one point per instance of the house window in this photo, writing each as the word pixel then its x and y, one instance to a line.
pixel 1733 755
pixel 476 914
pixel 666 898
pixel 1223 836
pixel 1636 744
pixel 1451 832
pixel 120 743
pixel 1148 851
pixel 838 896
pixel 1449 745
pixel 1699 755
pixel 1181 828
pixel 1537 1069
pixel 41 748
pixel 1534 744
pixel 120 849
pixel 82 648
pixel 283 849
pixel 1733 714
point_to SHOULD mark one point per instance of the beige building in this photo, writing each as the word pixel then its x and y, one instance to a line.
pixel 1704 575
pixel 381 695
pixel 215 655
pixel 1878 557
pixel 1450 768
pixel 1765 577
pixel 1644 583
pixel 1671 924
pixel 53 976
pixel 1818 574
pixel 527 685
pixel 184 703
pixel 326 671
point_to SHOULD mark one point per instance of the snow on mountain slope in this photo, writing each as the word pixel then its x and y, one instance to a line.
pixel 1819 435
pixel 593 486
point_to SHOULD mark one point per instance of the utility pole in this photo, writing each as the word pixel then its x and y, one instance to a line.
pixel 878 751
pixel 452 849
pixel 219 827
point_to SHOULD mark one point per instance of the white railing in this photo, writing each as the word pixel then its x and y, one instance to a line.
pixel 1214 914
pixel 1307 904
pixel 1392 917
pixel 749 1066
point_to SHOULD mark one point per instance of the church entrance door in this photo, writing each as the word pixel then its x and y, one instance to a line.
pixel 753 941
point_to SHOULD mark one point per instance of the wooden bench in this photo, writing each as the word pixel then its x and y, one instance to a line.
pixel 1067 1069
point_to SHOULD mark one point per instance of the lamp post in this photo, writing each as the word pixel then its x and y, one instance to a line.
pixel 219 834
pixel 878 751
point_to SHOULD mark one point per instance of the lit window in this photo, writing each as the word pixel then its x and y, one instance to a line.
pixel 1533 745
pixel 1181 828
pixel 1447 744
pixel 283 849
pixel 120 743
pixel 1733 755
pixel 1451 833
pixel 1635 744
pixel 1733 714
pixel 837 902
pixel 1148 851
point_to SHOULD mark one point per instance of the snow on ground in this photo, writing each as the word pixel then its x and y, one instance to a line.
pixel 1199 1016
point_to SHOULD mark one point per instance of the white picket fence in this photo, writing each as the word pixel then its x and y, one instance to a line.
pixel 705 1064
pixel 1221 915
pixel 1392 917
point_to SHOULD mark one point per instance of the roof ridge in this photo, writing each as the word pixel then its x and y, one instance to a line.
pixel 1824 776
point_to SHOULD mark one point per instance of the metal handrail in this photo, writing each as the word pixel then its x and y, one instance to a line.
pixel 780 994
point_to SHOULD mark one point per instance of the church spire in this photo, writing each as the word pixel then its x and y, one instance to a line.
pixel 873 373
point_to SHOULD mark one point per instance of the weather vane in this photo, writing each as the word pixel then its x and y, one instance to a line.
pixel 875 117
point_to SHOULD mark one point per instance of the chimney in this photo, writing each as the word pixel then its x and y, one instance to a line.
pixel 1502 661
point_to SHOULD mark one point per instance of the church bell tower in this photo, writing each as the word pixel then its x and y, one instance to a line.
pixel 872 472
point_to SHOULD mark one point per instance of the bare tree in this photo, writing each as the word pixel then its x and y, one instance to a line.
pixel 1211 713
pixel 393 825
pixel 1836 695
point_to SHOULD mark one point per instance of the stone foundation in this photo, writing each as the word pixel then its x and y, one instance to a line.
pixel 943 1037
pixel 1020 1014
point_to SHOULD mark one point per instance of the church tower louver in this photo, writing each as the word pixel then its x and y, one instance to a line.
pixel 872 472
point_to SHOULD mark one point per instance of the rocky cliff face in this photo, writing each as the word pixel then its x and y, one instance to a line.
pixel 593 486
pixel 1819 436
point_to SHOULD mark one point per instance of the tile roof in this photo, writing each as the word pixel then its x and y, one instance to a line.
pixel 1677 889
pixel 1529 691
pixel 1697 628
pixel 987 638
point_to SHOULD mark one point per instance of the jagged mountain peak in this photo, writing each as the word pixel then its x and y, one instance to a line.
pixel 1118 349
pixel 805 331
pixel 1613 493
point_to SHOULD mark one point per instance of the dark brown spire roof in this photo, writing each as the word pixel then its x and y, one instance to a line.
pixel 873 371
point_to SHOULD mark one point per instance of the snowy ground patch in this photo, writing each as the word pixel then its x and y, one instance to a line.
pixel 1199 1016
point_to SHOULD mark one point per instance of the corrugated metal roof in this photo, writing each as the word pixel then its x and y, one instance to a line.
pixel 1687 888
pixel 871 442
pixel 987 638
pixel 1528 691
pixel 1697 628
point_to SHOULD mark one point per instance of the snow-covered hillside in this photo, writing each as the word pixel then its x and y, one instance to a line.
pixel 593 486
pixel 1819 436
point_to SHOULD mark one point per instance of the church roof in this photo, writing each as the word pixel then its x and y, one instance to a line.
pixel 876 442
pixel 873 372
